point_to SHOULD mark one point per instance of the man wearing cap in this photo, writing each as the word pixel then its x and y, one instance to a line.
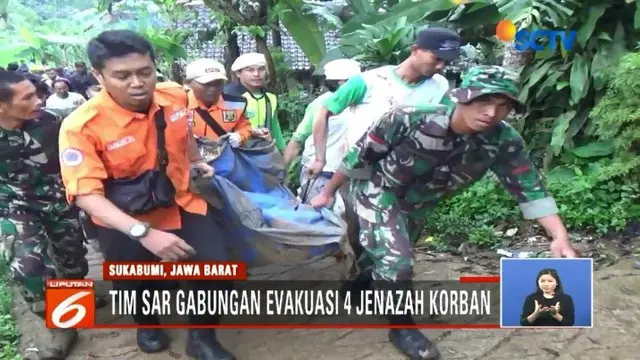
pixel 415 81
pixel 216 114
pixel 262 105
pixel 417 156
pixel 336 73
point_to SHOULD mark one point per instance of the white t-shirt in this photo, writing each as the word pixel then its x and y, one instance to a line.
pixel 336 135
pixel 67 105
pixel 373 93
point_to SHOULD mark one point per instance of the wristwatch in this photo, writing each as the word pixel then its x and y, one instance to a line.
pixel 138 231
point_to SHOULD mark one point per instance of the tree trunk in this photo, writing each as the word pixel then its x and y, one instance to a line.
pixel 176 72
pixel 4 16
pixel 261 46
pixel 514 59
pixel 233 50
pixel 276 37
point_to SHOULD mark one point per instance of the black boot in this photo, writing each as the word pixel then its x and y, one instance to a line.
pixel 361 282
pixel 411 342
pixel 152 340
pixel 202 345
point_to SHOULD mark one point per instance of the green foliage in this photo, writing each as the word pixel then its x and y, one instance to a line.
pixel 616 121
pixel 535 12
pixel 292 178
pixel 303 27
pixel 561 87
pixel 282 70
pixel 292 106
pixel 60 37
pixel 585 203
pixel 470 215
pixel 383 37
pixel 9 335
pixel 377 45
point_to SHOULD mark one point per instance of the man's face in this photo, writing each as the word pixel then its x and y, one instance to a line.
pixel 51 74
pixel 24 105
pixel 80 68
pixel 61 88
pixel 254 76
pixel 130 80
pixel 425 62
pixel 486 111
pixel 207 93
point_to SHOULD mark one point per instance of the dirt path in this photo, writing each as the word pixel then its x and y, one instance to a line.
pixel 614 337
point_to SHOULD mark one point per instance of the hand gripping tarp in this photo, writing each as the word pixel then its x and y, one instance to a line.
pixel 265 223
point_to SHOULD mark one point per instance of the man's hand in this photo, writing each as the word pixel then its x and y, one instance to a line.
pixel 167 246
pixel 202 169
pixel 560 244
pixel 235 140
pixel 262 133
pixel 561 247
pixel 315 168
pixel 321 200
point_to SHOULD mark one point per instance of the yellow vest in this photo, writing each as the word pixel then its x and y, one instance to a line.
pixel 262 111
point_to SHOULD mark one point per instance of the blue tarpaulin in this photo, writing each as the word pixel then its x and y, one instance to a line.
pixel 264 221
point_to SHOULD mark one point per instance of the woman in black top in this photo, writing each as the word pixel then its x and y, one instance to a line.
pixel 549 305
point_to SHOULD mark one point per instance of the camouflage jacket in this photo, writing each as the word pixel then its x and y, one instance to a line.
pixel 411 160
pixel 29 167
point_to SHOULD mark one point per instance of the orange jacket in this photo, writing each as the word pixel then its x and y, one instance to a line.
pixel 228 112
pixel 102 140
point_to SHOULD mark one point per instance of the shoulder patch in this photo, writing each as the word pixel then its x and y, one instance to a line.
pixel 229 116
pixel 71 157
pixel 176 115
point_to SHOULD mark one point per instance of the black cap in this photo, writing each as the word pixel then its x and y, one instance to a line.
pixel 443 43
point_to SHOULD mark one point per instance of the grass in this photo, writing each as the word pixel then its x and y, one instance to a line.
pixel 9 335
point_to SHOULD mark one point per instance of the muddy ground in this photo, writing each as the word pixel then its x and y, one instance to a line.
pixel 615 335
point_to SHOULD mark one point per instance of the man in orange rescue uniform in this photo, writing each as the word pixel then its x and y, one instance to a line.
pixel 133 178
pixel 216 114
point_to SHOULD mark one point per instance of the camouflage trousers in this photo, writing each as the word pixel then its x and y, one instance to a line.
pixel 388 247
pixel 41 246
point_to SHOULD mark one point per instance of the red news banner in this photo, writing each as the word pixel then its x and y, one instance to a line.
pixel 470 302
pixel 174 271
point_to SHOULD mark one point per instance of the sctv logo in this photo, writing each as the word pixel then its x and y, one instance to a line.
pixel 525 40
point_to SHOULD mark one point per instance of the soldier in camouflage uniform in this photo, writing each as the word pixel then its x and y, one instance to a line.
pixel 414 157
pixel 40 236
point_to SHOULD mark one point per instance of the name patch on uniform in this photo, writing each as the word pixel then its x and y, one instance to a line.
pixel 228 116
pixel 71 157
pixel 120 143
pixel 178 115
pixel 190 120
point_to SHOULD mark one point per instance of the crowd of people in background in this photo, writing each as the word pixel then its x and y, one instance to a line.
pixel 61 89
